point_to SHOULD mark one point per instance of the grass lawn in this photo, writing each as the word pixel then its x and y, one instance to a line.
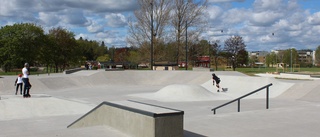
pixel 252 71
pixel 248 71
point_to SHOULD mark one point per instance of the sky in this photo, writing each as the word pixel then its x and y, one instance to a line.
pixel 265 25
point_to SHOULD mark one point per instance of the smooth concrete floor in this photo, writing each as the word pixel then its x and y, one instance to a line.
pixel 53 106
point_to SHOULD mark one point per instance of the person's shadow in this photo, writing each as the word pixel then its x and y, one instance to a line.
pixel 191 134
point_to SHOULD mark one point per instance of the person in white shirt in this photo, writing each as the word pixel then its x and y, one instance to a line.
pixel 25 79
pixel 18 83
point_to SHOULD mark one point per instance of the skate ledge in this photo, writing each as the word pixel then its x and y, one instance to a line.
pixel 126 115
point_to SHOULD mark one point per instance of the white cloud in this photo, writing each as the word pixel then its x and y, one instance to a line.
pixel 314 19
pixel 266 5
pixel 265 18
pixel 217 1
pixel 254 20
pixel 95 27
pixel 49 19
pixel 116 20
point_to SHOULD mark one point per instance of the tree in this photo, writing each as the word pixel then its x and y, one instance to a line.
pixel 243 57
pixel 233 46
pixel 318 55
pixel 103 58
pixel 271 58
pixel 290 57
pixel 140 29
pixel 19 43
pixel 187 16
pixel 64 48
pixel 215 50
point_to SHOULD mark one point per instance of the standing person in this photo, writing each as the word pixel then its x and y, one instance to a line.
pixel 18 83
pixel 25 79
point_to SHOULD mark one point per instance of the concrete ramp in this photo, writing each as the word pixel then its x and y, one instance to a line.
pixel 39 105
pixel 306 90
pixel 135 119
pixel 241 85
pixel 182 93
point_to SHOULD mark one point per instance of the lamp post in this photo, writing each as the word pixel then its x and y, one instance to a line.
pixel 291 59
pixel 186 38
pixel 186 45
pixel 209 56
pixel 151 49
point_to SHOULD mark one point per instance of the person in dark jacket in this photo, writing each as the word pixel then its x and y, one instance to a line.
pixel 215 79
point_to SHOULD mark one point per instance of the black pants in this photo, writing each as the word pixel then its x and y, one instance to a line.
pixel 26 86
pixel 19 85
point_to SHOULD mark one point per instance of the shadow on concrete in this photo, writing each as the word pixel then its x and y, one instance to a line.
pixel 191 134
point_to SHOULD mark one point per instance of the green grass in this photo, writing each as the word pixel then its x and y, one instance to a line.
pixel 248 71
pixel 252 71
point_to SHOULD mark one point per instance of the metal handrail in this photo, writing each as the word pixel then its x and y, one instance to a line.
pixel 239 98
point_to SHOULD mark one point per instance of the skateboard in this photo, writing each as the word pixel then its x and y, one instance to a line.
pixel 223 90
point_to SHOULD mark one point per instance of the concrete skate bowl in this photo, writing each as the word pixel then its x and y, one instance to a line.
pixel 151 77
pixel 93 78
pixel 105 78
pixel 182 93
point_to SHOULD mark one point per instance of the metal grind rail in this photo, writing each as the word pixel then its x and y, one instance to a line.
pixel 239 98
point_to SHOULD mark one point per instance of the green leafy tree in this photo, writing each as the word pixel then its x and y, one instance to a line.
pixel 20 43
pixel 103 58
pixel 290 56
pixel 243 57
pixel 215 50
pixel 233 46
pixel 64 48
pixel 318 55
pixel 271 58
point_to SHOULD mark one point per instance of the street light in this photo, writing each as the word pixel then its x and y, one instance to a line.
pixel 186 38
pixel 151 49
pixel 291 59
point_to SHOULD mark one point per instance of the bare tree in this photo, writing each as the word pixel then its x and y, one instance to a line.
pixel 187 14
pixel 141 27
pixel 233 46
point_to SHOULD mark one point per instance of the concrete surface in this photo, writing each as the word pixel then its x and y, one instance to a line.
pixel 58 100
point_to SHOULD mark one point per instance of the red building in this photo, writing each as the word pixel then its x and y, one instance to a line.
pixel 202 61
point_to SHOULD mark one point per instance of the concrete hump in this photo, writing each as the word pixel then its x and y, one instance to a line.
pixel 135 119
pixel 182 93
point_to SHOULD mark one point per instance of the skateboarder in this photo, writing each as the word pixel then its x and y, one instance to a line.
pixel 216 79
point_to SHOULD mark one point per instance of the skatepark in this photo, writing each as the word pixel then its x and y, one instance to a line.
pixel 60 100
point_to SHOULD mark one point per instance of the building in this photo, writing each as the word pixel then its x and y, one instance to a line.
pixel 259 56
pixel 202 61
pixel 306 56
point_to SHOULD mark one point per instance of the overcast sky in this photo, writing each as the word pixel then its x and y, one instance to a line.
pixel 264 24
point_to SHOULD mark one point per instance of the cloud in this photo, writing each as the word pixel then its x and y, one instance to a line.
pixel 265 18
pixel 314 19
pixel 49 19
pixel 268 5
pixel 116 20
pixel 292 23
pixel 218 1
pixel 95 27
